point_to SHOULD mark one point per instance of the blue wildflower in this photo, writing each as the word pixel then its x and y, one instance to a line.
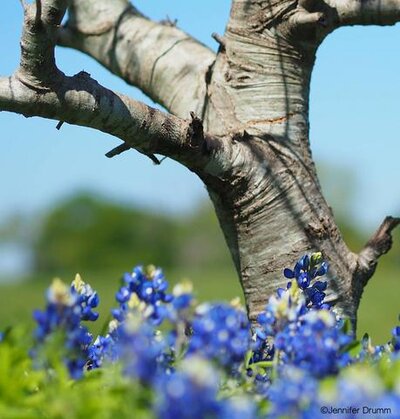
pixel 192 393
pixel 182 296
pixel 370 352
pixel 396 339
pixel 140 348
pixel 65 310
pixel 102 349
pixel 283 309
pixel 296 328
pixel 220 332
pixel 87 299
pixel 306 270
pixel 314 344
pixel 148 287
pixel 294 395
pixel 238 408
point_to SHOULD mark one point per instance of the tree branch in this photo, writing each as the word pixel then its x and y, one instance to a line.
pixel 82 101
pixel 365 12
pixel 161 60
pixel 379 244
pixel 39 88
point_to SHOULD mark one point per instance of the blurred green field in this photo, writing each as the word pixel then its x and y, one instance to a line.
pixel 378 313
pixel 380 306
pixel 20 298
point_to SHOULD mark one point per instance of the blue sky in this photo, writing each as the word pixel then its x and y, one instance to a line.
pixel 355 126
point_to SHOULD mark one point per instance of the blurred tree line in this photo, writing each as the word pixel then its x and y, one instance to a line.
pixel 88 233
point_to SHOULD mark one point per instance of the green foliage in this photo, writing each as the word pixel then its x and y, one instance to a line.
pixel 29 393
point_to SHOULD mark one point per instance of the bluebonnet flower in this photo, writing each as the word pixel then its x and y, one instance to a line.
pixel 192 393
pixel 102 349
pixel 305 271
pixel 147 287
pixel 298 297
pixel 86 298
pixel 136 343
pixel 396 339
pixel 140 348
pixel 294 395
pixel 307 268
pixel 220 332
pixel 238 408
pixel 182 296
pixel 369 352
pixel 143 304
pixel 314 344
pixel 283 309
pixel 66 308
pixel 297 328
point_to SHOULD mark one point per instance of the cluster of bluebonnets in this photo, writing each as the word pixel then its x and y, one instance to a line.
pixel 208 361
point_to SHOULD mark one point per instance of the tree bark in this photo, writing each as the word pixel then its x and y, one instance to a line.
pixel 248 136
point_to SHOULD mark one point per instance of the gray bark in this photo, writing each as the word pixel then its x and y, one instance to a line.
pixel 248 135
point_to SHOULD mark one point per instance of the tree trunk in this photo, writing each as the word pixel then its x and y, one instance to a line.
pixel 269 203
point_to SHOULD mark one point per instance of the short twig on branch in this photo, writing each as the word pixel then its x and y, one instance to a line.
pixel 169 22
pixel 303 18
pixel 38 15
pixel 125 147
pixel 379 244
pixel 196 131
pixel 220 39
pixel 382 240
pixel 23 4
pixel 153 158
pixel 118 150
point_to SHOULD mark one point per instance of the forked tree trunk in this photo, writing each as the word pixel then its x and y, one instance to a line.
pixel 248 139
pixel 269 203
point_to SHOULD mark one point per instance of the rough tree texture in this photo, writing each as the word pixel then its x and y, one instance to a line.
pixel 247 137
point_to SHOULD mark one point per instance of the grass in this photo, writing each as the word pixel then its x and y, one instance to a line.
pixel 378 312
